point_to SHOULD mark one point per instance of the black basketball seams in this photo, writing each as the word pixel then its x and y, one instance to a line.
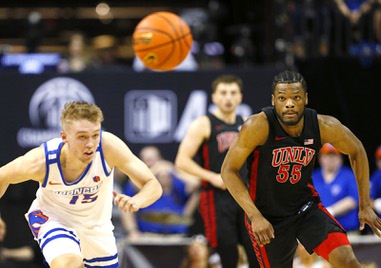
pixel 170 24
pixel 173 41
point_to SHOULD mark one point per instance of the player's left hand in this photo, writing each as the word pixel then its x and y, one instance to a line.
pixel 125 202
pixel 368 216
pixel 217 181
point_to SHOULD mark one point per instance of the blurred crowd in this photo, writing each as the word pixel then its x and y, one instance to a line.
pixel 329 28
pixel 292 30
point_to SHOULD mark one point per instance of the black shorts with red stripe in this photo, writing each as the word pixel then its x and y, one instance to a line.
pixel 315 228
pixel 224 223
pixel 224 219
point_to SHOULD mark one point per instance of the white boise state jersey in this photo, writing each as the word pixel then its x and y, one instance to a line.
pixel 86 201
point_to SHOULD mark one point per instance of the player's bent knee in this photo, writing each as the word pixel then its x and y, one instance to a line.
pixel 67 260
pixel 343 257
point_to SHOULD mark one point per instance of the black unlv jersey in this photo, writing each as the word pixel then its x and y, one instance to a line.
pixel 214 150
pixel 280 171
pixel 223 218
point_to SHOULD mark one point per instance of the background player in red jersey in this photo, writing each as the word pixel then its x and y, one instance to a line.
pixel 210 136
pixel 282 206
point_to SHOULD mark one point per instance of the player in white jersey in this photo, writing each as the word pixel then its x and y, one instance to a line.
pixel 71 215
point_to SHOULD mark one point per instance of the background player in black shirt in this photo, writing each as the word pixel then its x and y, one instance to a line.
pixel 281 144
pixel 210 136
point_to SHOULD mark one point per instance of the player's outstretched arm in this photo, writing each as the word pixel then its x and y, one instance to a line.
pixel 3 188
pixel 254 133
pixel 198 132
pixel 30 166
pixel 118 155
pixel 335 133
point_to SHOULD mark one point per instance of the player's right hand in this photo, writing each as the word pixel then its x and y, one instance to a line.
pixel 263 230
pixel 125 203
pixel 368 216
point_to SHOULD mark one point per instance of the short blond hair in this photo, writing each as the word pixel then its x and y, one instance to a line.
pixel 80 110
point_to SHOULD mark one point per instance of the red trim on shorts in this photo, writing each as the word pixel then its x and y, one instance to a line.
pixel 208 214
pixel 321 207
pixel 260 252
pixel 206 164
pixel 207 205
pixel 334 240
pixel 313 190
pixel 254 176
pixel 213 220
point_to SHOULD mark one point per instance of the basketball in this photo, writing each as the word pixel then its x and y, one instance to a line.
pixel 162 40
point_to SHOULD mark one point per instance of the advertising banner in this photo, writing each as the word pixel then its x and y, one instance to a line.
pixel 141 108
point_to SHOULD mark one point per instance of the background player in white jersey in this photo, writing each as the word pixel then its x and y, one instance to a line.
pixel 71 215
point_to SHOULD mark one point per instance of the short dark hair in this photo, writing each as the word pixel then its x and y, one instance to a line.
pixel 289 77
pixel 227 78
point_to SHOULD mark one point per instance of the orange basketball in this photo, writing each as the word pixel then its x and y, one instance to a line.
pixel 162 40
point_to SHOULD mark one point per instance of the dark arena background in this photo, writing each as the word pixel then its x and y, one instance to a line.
pixel 252 39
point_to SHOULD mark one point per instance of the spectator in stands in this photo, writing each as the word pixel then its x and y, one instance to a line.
pixel 119 230
pixel 364 17
pixel 197 254
pixel 150 155
pixel 375 182
pixel 172 213
pixel 336 185
pixel 18 248
pixel 353 10
pixel 377 21
pixel 310 28
pixel 78 57
pixel 106 50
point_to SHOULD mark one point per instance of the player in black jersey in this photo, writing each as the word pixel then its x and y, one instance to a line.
pixel 210 136
pixel 280 145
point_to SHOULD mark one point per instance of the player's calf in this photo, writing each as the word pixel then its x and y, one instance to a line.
pixel 343 257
